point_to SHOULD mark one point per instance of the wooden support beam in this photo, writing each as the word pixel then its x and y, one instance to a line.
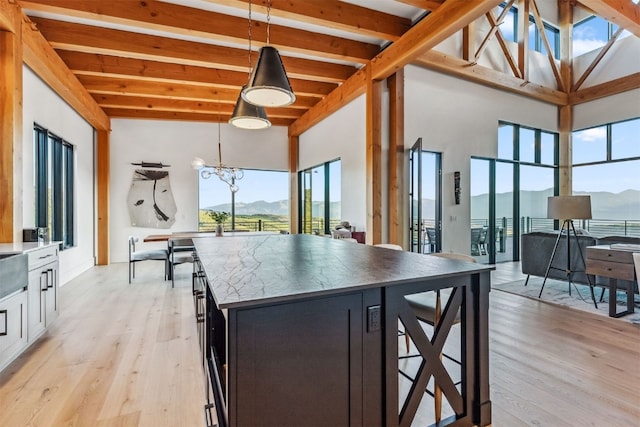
pixel 182 116
pixel 494 23
pixel 396 223
pixel 103 169
pixel 347 92
pixel 294 197
pixel 603 90
pixel 468 44
pixel 374 161
pixel 565 126
pixel 423 4
pixel 523 38
pixel 624 13
pixel 489 77
pixel 550 55
pixel 44 61
pixel 597 59
pixel 565 12
pixel 10 132
pixel 446 20
pixel 503 45
pixel 10 16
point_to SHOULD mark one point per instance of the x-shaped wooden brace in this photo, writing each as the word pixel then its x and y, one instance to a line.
pixel 430 351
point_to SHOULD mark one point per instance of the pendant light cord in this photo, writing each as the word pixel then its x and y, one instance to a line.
pixel 268 22
pixel 250 70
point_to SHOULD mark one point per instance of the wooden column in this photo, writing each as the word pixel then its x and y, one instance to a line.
pixel 396 157
pixel 374 160
pixel 565 113
pixel 10 122
pixel 102 175
pixel 293 184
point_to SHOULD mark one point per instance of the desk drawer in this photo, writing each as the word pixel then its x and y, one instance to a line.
pixel 607 268
pixel 611 256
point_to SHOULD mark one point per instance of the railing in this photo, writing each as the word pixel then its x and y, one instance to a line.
pixel 596 227
pixel 256 225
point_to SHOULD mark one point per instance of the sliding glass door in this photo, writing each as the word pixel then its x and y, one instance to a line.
pixel 425 198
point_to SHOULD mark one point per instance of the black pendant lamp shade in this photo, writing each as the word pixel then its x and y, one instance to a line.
pixel 269 85
pixel 249 116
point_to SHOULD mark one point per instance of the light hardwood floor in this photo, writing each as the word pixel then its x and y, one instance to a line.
pixel 127 355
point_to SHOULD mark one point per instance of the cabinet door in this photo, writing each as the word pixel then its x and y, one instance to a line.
pixel 37 302
pixel 13 327
pixel 51 296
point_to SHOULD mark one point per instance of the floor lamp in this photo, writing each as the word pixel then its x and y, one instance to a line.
pixel 566 209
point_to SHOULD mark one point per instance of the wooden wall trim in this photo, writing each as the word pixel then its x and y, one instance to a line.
pixel 294 142
pixel 396 173
pixel 103 170
pixel 374 161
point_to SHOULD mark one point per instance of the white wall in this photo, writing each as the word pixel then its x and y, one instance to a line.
pixel 342 135
pixel 176 143
pixel 615 108
pixel 43 107
pixel 460 119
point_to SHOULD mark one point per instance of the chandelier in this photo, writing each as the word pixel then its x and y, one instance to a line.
pixel 224 173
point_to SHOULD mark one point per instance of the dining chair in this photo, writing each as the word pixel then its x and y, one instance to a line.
pixel 137 256
pixel 427 307
pixel 180 252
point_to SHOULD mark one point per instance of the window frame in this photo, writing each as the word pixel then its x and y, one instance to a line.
pixel 302 175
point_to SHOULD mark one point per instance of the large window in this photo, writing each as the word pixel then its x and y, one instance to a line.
pixel 593 33
pixel 320 200
pixel 260 204
pixel 54 185
pixel 509 29
pixel 606 160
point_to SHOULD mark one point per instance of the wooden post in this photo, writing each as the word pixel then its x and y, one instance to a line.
pixel 293 184
pixel 102 173
pixel 374 160
pixel 396 157
pixel 10 123
pixel 565 113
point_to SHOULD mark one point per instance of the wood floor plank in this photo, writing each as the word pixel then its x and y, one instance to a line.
pixel 127 355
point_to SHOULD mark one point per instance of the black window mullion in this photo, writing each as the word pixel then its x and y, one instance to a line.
pixel 57 190
pixel 69 179
pixel 537 156
pixel 42 169
pixel 327 202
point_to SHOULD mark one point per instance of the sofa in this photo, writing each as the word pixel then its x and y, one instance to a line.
pixel 537 247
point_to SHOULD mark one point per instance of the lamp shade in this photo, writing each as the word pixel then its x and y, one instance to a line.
pixel 249 116
pixel 569 207
pixel 269 85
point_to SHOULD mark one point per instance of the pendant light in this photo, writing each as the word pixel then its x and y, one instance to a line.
pixel 246 115
pixel 269 85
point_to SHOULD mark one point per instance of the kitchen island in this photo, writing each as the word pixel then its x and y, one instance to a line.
pixel 298 330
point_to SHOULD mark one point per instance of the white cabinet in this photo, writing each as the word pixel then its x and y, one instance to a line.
pixel 13 326
pixel 43 290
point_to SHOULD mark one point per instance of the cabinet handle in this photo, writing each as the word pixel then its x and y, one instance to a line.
pixel 46 279
pixel 46 256
pixel 6 323
pixel 50 282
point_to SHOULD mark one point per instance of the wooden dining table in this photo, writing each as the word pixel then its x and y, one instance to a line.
pixel 196 234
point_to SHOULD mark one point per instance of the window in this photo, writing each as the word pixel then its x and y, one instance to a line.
pixel 320 200
pixel 509 29
pixel 593 33
pixel 528 145
pixel 261 203
pixel 54 186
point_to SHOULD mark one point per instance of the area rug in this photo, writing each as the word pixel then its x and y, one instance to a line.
pixel 557 292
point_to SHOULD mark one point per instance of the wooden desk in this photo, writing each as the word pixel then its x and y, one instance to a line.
pixel 304 331
pixel 616 263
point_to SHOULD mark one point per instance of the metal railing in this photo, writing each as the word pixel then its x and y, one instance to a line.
pixel 595 227
pixel 250 225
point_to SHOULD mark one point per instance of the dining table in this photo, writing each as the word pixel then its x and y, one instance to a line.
pixel 197 234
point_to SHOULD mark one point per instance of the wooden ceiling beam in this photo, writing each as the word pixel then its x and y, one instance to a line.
pixel 613 87
pixel 186 21
pixel 184 116
pixel 489 77
pixel 332 14
pixel 44 61
pixel 163 104
pixel 10 15
pixel 129 87
pixel 90 64
pixel 423 4
pixel 446 20
pixel 90 39
pixel 340 97
pixel 621 12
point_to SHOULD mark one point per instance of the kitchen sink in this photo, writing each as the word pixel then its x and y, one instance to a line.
pixel 14 273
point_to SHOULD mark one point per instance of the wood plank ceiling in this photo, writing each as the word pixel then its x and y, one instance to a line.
pixel 188 59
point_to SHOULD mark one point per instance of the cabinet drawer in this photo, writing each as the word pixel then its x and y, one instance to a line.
pixel 614 270
pixel 40 257
pixel 609 255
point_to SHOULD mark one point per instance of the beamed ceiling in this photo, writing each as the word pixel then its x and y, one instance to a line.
pixel 188 59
